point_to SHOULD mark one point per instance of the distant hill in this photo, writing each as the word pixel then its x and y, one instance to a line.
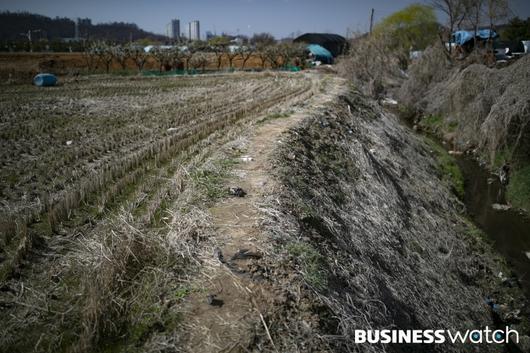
pixel 13 24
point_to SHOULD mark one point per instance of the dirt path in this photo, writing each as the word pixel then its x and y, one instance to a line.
pixel 224 316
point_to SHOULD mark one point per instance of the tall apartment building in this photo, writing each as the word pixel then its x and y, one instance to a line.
pixel 194 32
pixel 81 28
pixel 173 30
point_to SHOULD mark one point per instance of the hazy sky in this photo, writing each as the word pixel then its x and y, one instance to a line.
pixel 279 17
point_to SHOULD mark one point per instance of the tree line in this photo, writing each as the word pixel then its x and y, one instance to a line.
pixel 197 54
pixel 15 25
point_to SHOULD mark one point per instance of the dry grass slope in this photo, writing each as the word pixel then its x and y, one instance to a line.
pixel 376 240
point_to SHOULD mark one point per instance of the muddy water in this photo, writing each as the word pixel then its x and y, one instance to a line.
pixel 509 230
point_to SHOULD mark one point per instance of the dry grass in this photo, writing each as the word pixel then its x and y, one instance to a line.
pixel 110 271
pixel 475 99
pixel 119 129
pixel 371 66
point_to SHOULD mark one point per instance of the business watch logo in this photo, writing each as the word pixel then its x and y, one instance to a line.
pixel 486 335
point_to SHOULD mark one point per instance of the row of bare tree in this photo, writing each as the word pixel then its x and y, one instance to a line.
pixel 470 14
pixel 196 55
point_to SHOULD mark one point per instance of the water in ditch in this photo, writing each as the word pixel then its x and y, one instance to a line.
pixel 508 229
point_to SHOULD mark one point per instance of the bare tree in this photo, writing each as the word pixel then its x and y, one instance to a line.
pixel 90 56
pixel 121 54
pixel 139 56
pixel 193 49
pixel 473 14
pixel 274 55
pixel 496 11
pixel 200 60
pixel 175 56
pixel 231 55
pixel 262 39
pixel 187 55
pixel 219 46
pixel 455 11
pixel 262 55
pixel 292 53
pixel 104 53
pixel 245 52
pixel 163 56
pixel 263 42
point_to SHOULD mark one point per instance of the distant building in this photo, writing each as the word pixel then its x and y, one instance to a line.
pixel 194 32
pixel 173 30
pixel 81 28
pixel 209 35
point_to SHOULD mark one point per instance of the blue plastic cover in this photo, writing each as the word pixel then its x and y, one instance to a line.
pixel 320 53
pixel 43 80
pixel 462 37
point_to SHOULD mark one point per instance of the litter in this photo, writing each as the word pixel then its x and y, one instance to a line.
pixel 455 153
pixel 389 101
pixel 492 303
pixel 213 301
pixel 218 254
pixel 499 207
pixel 237 191
pixel 244 254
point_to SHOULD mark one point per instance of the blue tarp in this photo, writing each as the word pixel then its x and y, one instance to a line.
pixel 462 37
pixel 320 53
pixel 43 80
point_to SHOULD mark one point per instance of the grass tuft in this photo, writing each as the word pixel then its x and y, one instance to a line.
pixel 519 188
pixel 449 170
pixel 312 264
pixel 210 181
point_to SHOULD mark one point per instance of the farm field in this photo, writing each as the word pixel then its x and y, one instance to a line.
pixel 61 145
pixel 88 164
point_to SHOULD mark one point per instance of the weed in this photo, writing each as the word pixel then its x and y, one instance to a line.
pixel 452 126
pixel 160 213
pixel 210 181
pixel 502 157
pixel 476 237
pixel 407 113
pixel 312 264
pixel 273 116
pixel 432 123
pixel 519 188
pixel 449 170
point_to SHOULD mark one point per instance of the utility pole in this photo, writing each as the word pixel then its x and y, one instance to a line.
pixel 371 21
pixel 28 35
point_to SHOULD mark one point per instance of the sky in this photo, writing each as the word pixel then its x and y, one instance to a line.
pixel 282 18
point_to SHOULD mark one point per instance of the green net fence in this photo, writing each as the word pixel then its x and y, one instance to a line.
pixel 289 68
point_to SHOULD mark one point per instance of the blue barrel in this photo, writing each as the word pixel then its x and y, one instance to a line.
pixel 43 80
